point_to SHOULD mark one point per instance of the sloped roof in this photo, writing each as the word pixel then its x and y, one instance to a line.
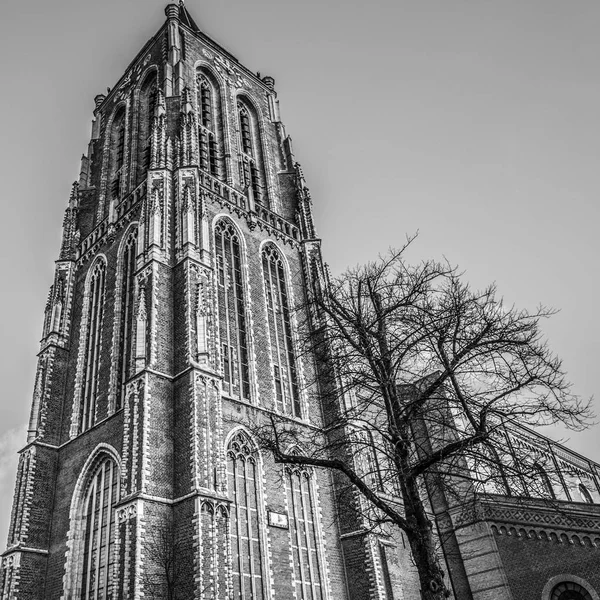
pixel 186 18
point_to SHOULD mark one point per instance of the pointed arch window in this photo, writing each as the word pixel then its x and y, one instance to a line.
pixel 287 397
pixel 207 138
pixel 547 488
pixel 250 174
pixel 97 537
pixel 303 515
pixel 585 494
pixel 117 154
pixel 244 478
pixel 232 311
pixel 128 259
pixel 147 109
pixel 93 342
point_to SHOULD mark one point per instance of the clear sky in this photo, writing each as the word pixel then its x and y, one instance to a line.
pixel 474 122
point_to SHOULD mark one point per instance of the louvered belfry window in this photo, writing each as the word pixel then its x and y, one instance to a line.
pixel 287 397
pixel 206 127
pixel 246 549
pixel 303 533
pixel 128 258
pixel 99 522
pixel 249 153
pixel 93 342
pixel 232 311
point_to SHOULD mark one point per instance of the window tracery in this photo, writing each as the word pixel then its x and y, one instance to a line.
pixel 117 155
pixel 207 137
pixel 243 475
pixel 91 555
pixel 250 173
pixel 128 260
pixel 287 396
pixel 304 536
pixel 92 338
pixel 232 311
pixel 147 109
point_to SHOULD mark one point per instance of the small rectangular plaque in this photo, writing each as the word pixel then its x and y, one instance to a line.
pixel 278 520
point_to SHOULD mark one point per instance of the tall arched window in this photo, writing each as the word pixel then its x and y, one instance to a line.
pixel 98 536
pixel 93 340
pixel 243 477
pixel 117 143
pixel 207 137
pixel 287 397
pixel 250 152
pixel 232 311
pixel 303 533
pixel 585 494
pixel 547 488
pixel 128 257
pixel 147 108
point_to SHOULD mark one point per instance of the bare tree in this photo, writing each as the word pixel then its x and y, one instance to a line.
pixel 418 374
pixel 166 562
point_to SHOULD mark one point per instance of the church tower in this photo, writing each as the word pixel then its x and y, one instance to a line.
pixel 168 333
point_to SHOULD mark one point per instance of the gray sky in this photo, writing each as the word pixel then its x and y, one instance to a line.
pixel 475 123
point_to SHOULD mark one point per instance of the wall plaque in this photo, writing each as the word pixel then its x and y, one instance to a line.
pixel 278 520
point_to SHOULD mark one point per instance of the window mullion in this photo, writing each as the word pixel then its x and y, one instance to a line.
pixel 102 476
pixel 274 303
pixel 96 350
pixel 109 492
pixel 89 567
pixel 292 477
pixel 236 496
pixel 249 529
pixel 88 353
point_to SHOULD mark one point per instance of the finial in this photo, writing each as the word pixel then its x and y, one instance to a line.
pixel 172 11
pixel 73 198
pixel 186 104
pixel 99 99
pixel 268 81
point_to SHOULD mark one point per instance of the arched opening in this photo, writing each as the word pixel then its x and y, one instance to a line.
pixel 287 395
pixel 244 477
pixel 93 530
pixel 117 155
pixel 568 590
pixel 232 310
pixel 251 163
pixel 146 114
pixel 585 494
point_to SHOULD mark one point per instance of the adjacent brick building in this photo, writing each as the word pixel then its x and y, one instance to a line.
pixel 169 335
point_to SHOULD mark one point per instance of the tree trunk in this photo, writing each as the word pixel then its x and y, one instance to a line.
pixel 422 545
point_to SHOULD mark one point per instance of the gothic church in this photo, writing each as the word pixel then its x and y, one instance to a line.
pixel 168 332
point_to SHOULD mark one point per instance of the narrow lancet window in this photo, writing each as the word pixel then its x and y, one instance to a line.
pixel 249 153
pixel 117 155
pixel 148 99
pixel 287 397
pixel 127 316
pixel 246 549
pixel 207 138
pixel 93 342
pixel 232 311
pixel 304 535
pixel 99 534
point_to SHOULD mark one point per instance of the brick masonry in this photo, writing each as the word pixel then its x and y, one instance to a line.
pixel 166 430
